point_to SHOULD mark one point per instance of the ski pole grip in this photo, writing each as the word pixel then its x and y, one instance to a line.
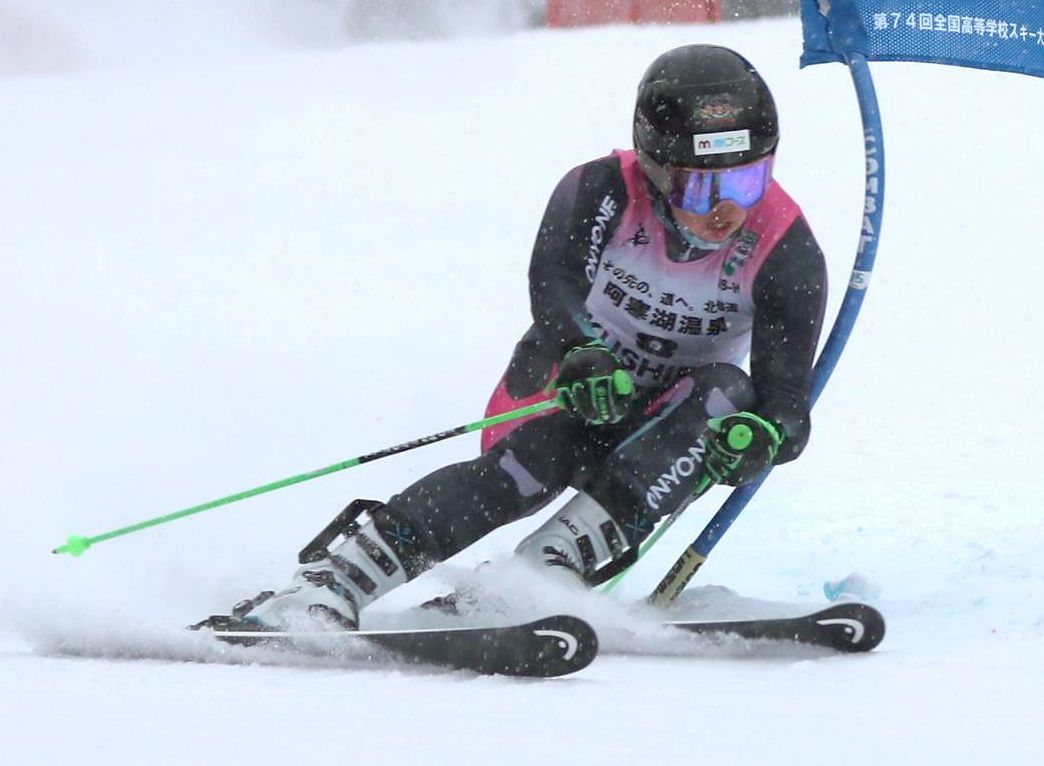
pixel 622 383
pixel 740 437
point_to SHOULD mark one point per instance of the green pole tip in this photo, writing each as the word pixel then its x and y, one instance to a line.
pixel 740 436
pixel 74 546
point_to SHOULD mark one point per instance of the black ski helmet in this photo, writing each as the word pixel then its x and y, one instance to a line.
pixel 704 90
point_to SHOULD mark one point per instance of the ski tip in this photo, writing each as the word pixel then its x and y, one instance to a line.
pixel 843 627
pixel 857 627
pixel 568 644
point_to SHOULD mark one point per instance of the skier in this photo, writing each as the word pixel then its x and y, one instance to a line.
pixel 655 271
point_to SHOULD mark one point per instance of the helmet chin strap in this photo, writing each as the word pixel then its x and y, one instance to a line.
pixel 694 241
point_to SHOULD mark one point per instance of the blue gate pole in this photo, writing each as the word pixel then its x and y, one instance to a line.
pixel 697 552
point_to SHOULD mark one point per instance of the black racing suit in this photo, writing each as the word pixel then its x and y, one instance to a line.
pixel 451 508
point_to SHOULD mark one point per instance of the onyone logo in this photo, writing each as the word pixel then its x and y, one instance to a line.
pixel 682 468
pixel 596 240
pixel 721 143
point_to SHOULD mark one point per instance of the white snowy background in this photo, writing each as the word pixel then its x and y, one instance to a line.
pixel 238 242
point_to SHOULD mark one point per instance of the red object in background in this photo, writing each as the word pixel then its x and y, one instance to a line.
pixel 577 13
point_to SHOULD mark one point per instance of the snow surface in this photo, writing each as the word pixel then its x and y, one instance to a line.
pixel 234 249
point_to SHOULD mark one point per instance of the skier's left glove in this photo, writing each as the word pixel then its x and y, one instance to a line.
pixel 593 385
pixel 740 447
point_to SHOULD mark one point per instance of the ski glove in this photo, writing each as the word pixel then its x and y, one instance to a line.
pixel 593 385
pixel 740 447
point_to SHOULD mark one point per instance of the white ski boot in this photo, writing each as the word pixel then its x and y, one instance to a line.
pixel 581 539
pixel 332 590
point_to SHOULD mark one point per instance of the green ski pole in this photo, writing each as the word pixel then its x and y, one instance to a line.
pixel 739 438
pixel 702 486
pixel 75 545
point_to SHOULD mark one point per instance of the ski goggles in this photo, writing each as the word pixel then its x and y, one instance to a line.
pixel 698 191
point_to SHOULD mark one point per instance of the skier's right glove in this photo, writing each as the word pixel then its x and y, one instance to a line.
pixel 740 447
pixel 593 385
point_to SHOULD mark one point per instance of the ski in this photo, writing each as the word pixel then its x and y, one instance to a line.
pixel 551 646
pixel 847 627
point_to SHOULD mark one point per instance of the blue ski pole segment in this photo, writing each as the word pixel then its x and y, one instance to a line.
pixel 697 552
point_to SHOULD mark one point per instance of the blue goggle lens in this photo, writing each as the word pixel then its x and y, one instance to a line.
pixel 698 191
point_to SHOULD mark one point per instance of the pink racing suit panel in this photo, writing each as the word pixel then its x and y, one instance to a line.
pixel 501 401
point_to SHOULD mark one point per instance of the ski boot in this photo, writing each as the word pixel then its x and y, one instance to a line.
pixel 333 584
pixel 581 541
